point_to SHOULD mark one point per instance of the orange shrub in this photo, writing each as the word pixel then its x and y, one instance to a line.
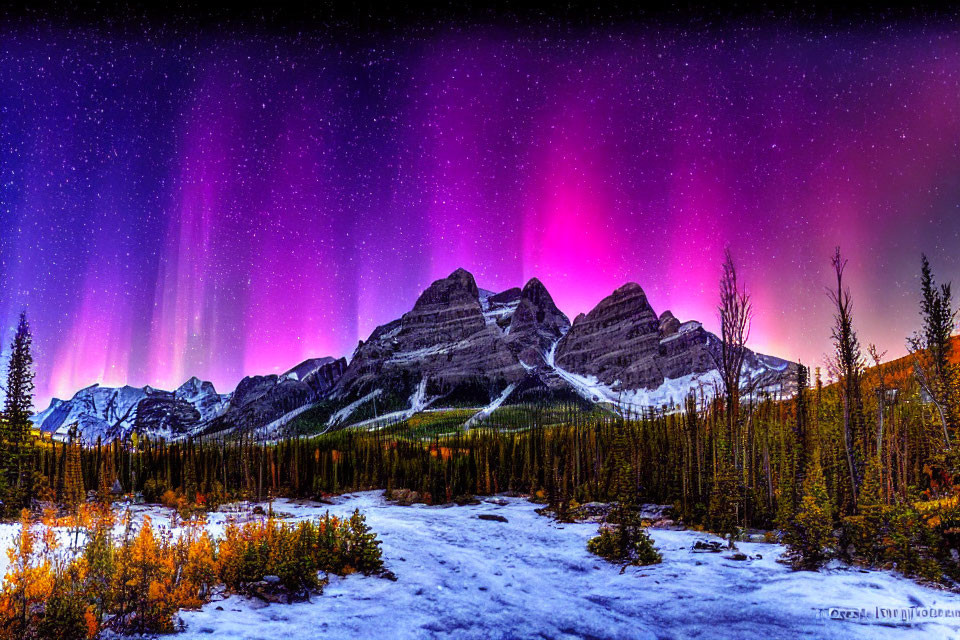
pixel 136 585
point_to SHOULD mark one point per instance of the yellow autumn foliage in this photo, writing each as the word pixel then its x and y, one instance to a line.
pixel 136 582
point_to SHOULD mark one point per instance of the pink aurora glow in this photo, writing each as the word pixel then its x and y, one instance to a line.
pixel 294 197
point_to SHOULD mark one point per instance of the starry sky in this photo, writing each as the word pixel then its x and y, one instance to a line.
pixel 180 201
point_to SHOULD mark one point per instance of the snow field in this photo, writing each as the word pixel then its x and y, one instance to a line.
pixel 463 577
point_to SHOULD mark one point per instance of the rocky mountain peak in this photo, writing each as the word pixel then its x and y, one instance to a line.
pixel 457 288
pixel 535 292
pixel 448 311
pixel 629 294
pixel 190 387
pixel 617 341
pixel 307 367
pixel 628 288
pixel 669 325
pixel 536 324
pixel 506 297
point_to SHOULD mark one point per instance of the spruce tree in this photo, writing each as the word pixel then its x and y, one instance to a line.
pixel 189 474
pixel 724 498
pixel 794 456
pixel 73 489
pixel 628 543
pixel 811 538
pixel 107 475
pixel 17 408
pixel 866 529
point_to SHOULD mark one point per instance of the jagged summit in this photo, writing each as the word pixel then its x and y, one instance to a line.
pixel 628 288
pixel 506 297
pixel 669 325
pixel 106 412
pixel 459 286
pixel 536 324
pixel 618 340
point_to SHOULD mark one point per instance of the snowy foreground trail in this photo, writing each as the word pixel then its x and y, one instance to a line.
pixel 463 577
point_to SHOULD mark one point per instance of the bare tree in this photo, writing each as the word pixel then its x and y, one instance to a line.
pixel 881 391
pixel 848 362
pixel 735 313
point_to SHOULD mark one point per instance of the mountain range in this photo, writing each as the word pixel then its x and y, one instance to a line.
pixel 458 347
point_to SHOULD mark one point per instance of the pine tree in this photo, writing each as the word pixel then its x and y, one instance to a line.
pixel 106 476
pixel 189 474
pixel 17 408
pixel 73 490
pixel 810 539
pixel 724 498
pixel 364 548
pixel 794 456
pixel 628 543
pixel 866 529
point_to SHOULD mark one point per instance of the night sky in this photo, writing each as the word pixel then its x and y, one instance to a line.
pixel 180 201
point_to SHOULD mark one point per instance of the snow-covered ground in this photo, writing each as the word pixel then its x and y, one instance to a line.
pixel 463 577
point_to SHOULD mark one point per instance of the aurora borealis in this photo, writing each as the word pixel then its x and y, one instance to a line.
pixel 217 203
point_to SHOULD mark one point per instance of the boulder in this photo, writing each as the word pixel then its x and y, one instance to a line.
pixel 404 497
pixel 492 517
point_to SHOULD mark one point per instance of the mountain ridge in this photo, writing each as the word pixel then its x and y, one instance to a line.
pixel 458 346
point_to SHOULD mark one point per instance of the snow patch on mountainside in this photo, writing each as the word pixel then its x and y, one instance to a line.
pixel 670 395
pixel 274 427
pixel 500 311
pixel 484 413
pixel 673 393
pixel 345 412
pixel 484 296
pixel 418 402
